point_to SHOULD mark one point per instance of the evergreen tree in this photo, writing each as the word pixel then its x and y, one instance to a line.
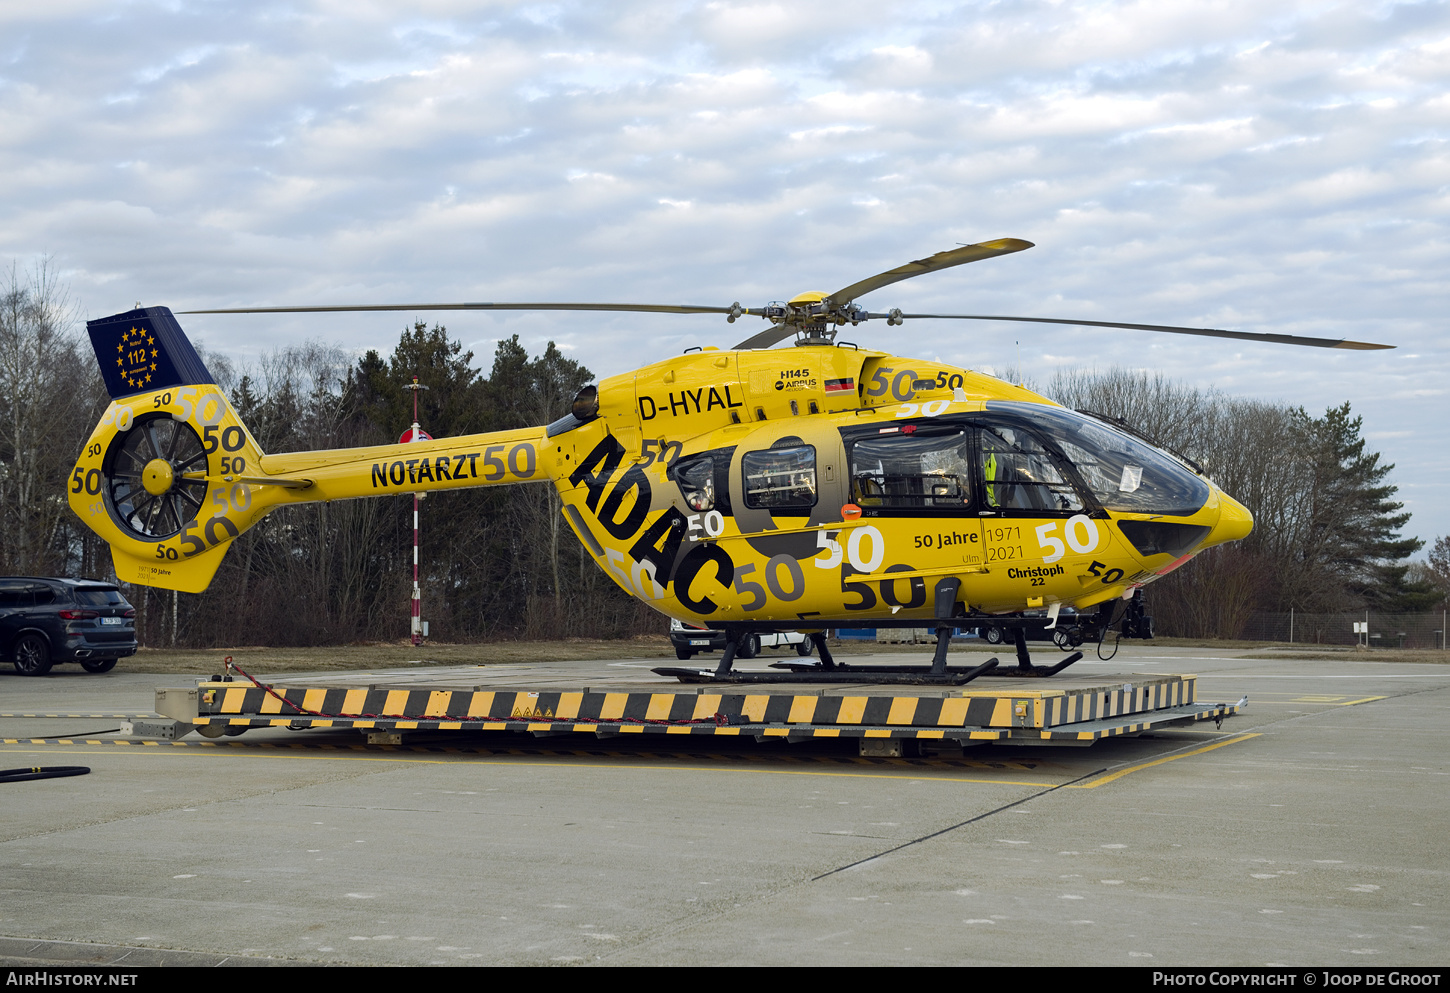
pixel 1351 537
pixel 451 405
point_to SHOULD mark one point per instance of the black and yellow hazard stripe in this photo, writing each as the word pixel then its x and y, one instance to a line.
pixel 978 714
pixel 1115 700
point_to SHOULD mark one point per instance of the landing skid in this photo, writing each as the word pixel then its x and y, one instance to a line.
pixel 1026 669
pixel 827 670
pixel 835 674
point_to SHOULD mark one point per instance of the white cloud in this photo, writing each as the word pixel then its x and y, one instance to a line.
pixel 1274 166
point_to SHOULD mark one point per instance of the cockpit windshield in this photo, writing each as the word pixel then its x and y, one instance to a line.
pixel 1124 474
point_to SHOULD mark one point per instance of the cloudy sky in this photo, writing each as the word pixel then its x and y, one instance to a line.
pixel 1269 165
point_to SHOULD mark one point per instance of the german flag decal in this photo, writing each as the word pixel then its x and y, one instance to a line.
pixel 841 385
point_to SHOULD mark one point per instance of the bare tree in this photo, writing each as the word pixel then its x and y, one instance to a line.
pixel 49 399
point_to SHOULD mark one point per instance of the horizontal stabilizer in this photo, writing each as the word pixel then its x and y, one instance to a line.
pixel 189 575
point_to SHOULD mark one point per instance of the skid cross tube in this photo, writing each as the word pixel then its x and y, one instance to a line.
pixel 828 670
pixel 897 675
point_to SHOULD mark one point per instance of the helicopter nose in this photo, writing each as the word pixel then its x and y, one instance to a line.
pixel 1234 521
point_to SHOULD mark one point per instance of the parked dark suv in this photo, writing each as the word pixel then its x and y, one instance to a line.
pixel 45 621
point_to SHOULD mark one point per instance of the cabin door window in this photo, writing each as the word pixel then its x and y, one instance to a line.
pixel 780 478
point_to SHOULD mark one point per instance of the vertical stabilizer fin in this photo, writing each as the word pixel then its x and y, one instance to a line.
pixel 145 350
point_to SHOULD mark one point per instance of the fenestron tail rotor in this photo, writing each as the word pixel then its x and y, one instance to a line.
pixel 814 318
pixel 145 475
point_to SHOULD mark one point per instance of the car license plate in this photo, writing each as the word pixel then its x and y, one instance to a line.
pixel 699 641
pixel 113 620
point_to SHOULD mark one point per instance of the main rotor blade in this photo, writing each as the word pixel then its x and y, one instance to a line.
pixel 941 260
pixel 1280 339
pixel 633 308
pixel 768 337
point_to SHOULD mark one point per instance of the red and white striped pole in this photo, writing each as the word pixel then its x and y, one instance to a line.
pixel 417 621
pixel 415 433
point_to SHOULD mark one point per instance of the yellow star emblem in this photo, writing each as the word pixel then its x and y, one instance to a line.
pixel 120 347
pixel 153 369
pixel 150 340
pixel 154 353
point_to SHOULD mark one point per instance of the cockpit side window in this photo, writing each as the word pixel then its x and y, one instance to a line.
pixel 696 479
pixel 780 478
pixel 1018 473
pixel 907 470
pixel 704 480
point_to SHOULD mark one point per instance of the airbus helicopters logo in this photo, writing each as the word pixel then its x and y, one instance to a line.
pixel 795 379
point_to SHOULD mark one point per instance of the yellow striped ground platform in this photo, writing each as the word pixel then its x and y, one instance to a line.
pixel 1017 709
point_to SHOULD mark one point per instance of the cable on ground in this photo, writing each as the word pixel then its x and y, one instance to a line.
pixel 42 772
pixel 58 737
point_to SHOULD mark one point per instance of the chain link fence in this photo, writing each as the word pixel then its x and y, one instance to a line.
pixel 1385 630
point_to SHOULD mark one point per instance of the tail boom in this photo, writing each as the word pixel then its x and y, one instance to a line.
pixel 171 476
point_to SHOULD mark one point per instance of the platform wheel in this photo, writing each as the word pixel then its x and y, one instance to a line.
pixel 1061 639
pixel 992 636
pixel 98 665
pixel 211 730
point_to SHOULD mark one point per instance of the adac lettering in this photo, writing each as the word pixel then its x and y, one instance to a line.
pixel 634 480
pixel 597 467
pixel 668 528
pixel 692 565
pixel 658 547
pixel 679 404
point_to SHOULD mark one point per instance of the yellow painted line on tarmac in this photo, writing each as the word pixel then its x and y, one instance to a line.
pixel 238 749
pixel 928 775
pixel 1110 777
pixel 1005 765
pixel 140 716
pixel 1335 701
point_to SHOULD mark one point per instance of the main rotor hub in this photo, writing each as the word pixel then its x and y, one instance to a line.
pixel 811 315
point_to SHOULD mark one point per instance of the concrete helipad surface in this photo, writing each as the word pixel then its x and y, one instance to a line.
pixel 1309 830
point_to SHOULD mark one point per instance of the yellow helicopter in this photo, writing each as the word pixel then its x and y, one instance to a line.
pixel 753 489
